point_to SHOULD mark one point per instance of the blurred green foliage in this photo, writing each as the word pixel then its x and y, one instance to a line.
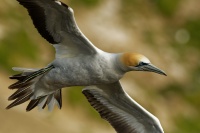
pixel 16 46
pixel 74 96
pixel 167 7
pixel 187 125
pixel 76 99
pixel 190 93
pixel 193 27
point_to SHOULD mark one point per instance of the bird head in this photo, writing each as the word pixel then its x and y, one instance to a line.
pixel 138 62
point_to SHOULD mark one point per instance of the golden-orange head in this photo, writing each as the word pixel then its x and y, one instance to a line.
pixel 133 59
pixel 138 62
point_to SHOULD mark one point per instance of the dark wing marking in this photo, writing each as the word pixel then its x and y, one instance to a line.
pixel 124 114
pixel 38 16
pixel 55 21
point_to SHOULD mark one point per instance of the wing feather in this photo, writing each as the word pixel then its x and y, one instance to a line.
pixel 122 112
pixel 55 22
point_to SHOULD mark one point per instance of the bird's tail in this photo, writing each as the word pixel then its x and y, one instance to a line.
pixel 25 91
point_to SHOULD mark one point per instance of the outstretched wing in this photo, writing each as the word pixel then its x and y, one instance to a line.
pixel 122 112
pixel 55 21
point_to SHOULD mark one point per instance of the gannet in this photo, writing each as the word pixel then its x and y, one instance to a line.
pixel 79 63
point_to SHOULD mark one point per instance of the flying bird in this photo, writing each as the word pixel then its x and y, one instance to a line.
pixel 79 63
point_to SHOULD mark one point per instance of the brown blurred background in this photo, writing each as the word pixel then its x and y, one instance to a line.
pixel 166 31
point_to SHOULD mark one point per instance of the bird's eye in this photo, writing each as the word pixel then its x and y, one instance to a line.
pixel 141 64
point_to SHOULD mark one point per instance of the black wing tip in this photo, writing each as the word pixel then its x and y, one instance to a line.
pixel 33 1
pixel 36 10
pixel 65 5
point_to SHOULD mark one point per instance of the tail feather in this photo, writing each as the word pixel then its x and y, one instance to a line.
pixel 25 90
pixel 51 103
pixel 20 69
pixel 20 99
pixel 25 77
pixel 19 93
pixel 42 102
pixel 44 105
pixel 18 77
pixel 58 97
pixel 48 100
pixel 32 104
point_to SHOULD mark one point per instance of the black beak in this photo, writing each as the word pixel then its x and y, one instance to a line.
pixel 152 68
